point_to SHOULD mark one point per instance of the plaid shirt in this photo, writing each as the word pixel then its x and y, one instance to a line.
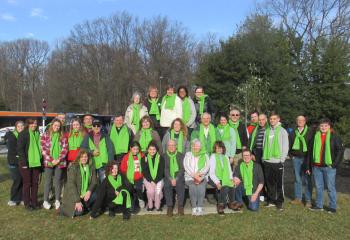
pixel 45 149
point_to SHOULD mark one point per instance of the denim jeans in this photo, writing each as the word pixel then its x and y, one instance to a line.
pixel 300 179
pixel 254 206
pixel 325 177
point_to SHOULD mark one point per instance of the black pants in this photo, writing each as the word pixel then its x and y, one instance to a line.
pixel 258 155
pixel 16 188
pixel 119 208
pixel 137 193
pixel 274 182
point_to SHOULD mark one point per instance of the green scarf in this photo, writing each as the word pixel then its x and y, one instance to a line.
pixel 235 127
pixel 88 126
pixel 201 161
pixel 131 167
pixel 201 103
pixel 211 136
pixel 169 101
pixel 318 147
pixel 300 138
pixel 153 166
pixel 34 151
pixel 274 150
pixel 145 138
pixel 247 177
pixel 120 140
pixel 116 183
pixel 252 138
pixel 15 133
pixel 180 140
pixel 85 177
pixel 55 149
pixel 222 169
pixel 173 165
pixel 154 109
pixel 186 110
pixel 224 132
pixel 75 140
pixel 135 120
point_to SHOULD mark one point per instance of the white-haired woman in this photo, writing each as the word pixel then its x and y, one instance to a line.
pixel 135 111
pixel 196 164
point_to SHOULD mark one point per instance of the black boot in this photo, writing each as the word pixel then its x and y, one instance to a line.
pixel 126 214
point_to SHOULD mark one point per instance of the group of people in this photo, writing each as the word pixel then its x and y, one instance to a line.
pixel 159 147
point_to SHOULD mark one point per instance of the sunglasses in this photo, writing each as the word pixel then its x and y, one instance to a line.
pixel 235 115
pixel 96 125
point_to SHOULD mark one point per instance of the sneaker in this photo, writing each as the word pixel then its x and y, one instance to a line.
pixel 46 205
pixel 268 205
pixel 57 204
pixel 141 203
pixel 11 203
pixel 194 211
pixel 316 209
pixel 200 211
pixel 331 210
pixel 262 198
pixel 279 207
pixel 28 208
pixel 296 202
pixel 159 209
pixel 21 203
pixel 111 213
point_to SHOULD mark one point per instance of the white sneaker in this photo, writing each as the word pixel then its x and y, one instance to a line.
pixel 262 198
pixel 57 204
pixel 200 211
pixel 11 203
pixel 21 203
pixel 141 203
pixel 194 211
pixel 46 205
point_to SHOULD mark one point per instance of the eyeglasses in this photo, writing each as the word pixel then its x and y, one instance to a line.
pixel 198 92
pixel 235 115
pixel 96 126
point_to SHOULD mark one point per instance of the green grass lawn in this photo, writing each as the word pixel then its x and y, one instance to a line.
pixel 293 223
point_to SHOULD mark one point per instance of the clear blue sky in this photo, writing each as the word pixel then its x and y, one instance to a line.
pixel 52 20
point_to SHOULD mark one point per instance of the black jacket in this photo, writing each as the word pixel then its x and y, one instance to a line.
pixel 208 107
pixel 337 151
pixel 308 138
pixel 146 171
pixel 11 141
pixel 106 194
pixel 147 104
pixel 22 147
pixel 242 131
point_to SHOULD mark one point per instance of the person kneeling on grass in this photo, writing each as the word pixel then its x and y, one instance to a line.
pixel 174 178
pixel 249 180
pixel 196 164
pixel 131 167
pixel 153 170
pixel 221 177
pixel 114 193
pixel 79 194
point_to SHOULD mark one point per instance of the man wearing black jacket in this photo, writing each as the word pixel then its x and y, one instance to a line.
pixel 300 141
pixel 241 134
pixel 325 156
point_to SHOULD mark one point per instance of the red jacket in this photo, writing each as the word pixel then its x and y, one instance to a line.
pixel 124 166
